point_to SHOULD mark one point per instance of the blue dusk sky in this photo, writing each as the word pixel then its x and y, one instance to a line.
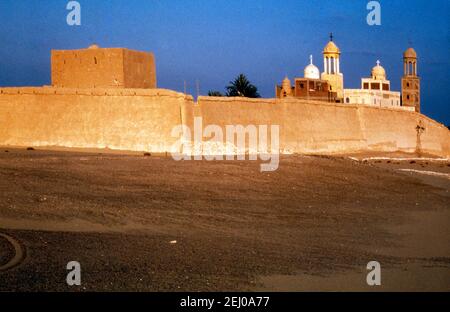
pixel 212 41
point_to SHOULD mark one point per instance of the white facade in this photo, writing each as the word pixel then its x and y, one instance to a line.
pixel 372 97
pixel 311 71
pixel 375 91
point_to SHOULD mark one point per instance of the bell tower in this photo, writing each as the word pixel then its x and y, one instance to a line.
pixel 331 68
pixel 410 80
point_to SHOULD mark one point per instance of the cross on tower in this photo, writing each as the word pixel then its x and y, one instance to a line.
pixel 378 62
pixel 331 36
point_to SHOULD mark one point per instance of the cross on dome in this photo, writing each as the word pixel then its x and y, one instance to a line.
pixel 378 72
pixel 311 71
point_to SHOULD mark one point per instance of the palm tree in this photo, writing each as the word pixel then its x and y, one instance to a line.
pixel 242 87
pixel 214 93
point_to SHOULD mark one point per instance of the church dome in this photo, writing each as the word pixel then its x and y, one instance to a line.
pixel 311 71
pixel 331 47
pixel 93 46
pixel 378 72
pixel 410 53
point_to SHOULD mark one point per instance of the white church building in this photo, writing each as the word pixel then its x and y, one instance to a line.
pixel 375 91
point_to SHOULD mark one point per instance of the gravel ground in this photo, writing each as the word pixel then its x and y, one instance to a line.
pixel 140 223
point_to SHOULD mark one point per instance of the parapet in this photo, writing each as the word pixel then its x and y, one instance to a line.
pixel 97 67
pixel 113 92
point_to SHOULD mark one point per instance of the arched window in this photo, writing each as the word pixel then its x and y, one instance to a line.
pixel 347 100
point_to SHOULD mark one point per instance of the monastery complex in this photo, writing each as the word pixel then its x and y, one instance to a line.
pixel 374 91
pixel 108 98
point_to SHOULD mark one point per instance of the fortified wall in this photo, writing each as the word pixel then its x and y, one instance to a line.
pixel 142 120
pixel 122 119
pixel 107 98
pixel 319 127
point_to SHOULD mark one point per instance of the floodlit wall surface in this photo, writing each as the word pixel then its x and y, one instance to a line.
pixel 103 68
pixel 142 120
pixel 317 127
pixel 126 119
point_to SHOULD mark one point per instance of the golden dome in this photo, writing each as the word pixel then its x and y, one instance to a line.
pixel 331 47
pixel 378 72
pixel 410 53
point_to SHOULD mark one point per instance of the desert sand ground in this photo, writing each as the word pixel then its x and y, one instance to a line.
pixel 139 223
